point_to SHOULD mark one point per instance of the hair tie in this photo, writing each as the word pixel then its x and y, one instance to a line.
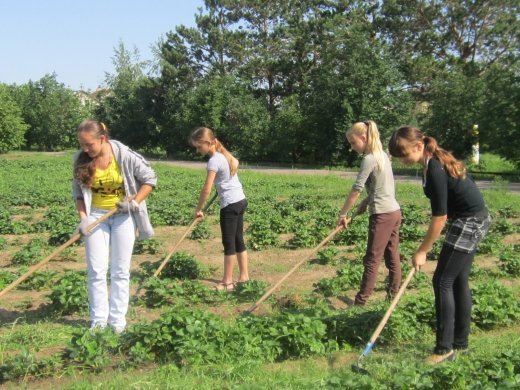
pixel 103 126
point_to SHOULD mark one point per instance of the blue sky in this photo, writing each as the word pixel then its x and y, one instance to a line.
pixel 76 38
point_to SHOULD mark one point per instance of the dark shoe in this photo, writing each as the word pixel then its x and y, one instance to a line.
pixel 436 359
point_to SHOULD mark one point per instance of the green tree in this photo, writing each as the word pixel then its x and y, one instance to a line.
pixel 52 112
pixel 499 118
pixel 447 49
pixel 129 105
pixel 12 126
pixel 456 102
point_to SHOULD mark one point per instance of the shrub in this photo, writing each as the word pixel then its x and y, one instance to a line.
pixel 201 231
pixel 69 295
pixel 31 253
pixel 92 348
pixel 494 305
pixel 184 266
pixel 346 278
pixel 510 260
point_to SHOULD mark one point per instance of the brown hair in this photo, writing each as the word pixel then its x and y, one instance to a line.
pixel 84 169
pixel 408 135
pixel 374 146
pixel 205 134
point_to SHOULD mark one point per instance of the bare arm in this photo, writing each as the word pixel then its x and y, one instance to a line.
pixel 204 193
pixel 349 202
pixel 143 192
pixel 433 233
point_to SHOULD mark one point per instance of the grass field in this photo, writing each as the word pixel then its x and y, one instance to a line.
pixel 182 334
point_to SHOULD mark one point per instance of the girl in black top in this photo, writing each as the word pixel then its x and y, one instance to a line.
pixel 455 199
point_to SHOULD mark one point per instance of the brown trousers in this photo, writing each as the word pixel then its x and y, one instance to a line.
pixel 383 241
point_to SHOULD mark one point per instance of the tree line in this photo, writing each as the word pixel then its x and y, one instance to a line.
pixel 281 81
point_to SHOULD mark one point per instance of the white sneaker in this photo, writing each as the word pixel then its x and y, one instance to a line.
pixel 117 329
pixel 97 325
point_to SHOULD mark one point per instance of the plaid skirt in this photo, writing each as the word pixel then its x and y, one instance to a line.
pixel 464 234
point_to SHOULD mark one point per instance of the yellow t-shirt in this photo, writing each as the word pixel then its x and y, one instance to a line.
pixel 108 187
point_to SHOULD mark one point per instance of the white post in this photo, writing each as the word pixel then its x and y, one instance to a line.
pixel 475 153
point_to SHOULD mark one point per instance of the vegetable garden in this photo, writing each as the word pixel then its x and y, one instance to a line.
pixel 183 334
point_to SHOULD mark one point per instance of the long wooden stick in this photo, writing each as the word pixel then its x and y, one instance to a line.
pixel 58 250
pixel 389 311
pixel 272 289
pixel 192 224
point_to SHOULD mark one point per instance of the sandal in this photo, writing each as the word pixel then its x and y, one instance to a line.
pixel 225 286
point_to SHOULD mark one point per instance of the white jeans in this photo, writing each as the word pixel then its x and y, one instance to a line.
pixel 111 242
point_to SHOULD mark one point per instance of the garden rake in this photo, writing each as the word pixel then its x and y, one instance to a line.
pixel 193 223
pixel 58 250
pixel 309 256
pixel 357 367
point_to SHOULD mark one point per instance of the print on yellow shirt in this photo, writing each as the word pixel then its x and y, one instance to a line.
pixel 108 187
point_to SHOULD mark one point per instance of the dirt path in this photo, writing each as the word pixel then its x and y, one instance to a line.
pixel 482 184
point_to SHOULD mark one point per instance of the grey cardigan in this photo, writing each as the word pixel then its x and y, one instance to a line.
pixel 136 171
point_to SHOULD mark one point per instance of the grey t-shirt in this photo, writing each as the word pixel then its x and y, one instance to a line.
pixel 380 185
pixel 229 188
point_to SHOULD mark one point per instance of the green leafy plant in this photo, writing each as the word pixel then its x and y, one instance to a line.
pixel 60 222
pixel 201 231
pixel 250 290
pixel 92 348
pixel 38 281
pixel 260 235
pixel 8 226
pixel 509 261
pixel 25 365
pixel 6 278
pixel 150 246
pixel 494 305
pixel 346 278
pixel 69 294
pixel 184 266
pixel 31 253
pixel 327 256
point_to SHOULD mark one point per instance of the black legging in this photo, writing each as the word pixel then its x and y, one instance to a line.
pixel 232 227
pixel 452 299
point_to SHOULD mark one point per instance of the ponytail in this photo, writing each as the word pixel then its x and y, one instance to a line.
pixel 374 146
pixel 204 134
pixel 453 167
pixel 232 161
pixel 408 135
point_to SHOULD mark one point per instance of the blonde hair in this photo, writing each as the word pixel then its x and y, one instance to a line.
pixel 408 135
pixel 374 145
pixel 205 134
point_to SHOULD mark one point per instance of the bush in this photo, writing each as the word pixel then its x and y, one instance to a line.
pixel 494 305
pixel 184 266
pixel 31 253
pixel 69 295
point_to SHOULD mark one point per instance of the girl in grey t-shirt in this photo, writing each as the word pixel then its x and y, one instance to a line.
pixel 222 171
pixel 385 215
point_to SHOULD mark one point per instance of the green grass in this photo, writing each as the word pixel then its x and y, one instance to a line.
pixel 383 365
pixel 491 167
